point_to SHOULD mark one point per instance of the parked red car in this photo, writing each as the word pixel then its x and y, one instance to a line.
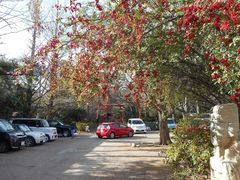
pixel 113 129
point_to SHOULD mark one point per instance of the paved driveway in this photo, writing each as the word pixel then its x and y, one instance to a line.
pixel 86 157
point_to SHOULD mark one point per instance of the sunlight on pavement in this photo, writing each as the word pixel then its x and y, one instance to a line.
pixel 117 158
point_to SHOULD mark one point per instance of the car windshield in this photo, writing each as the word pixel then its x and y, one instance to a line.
pixel 6 126
pixel 60 123
pixel 171 122
pixel 24 128
pixel 45 123
pixel 137 122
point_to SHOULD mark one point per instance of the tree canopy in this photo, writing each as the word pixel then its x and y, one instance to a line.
pixel 99 42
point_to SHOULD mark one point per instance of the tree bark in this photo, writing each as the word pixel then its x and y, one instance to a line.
pixel 34 7
pixel 27 112
pixel 50 113
pixel 163 130
pixel 197 108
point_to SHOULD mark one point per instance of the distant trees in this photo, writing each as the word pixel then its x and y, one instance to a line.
pixel 14 97
pixel 11 94
pixel 29 84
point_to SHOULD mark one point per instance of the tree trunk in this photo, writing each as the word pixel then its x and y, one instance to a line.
pixel 185 106
pixel 163 130
pixel 34 7
pixel 29 92
pixel 197 108
pixel 27 112
pixel 50 113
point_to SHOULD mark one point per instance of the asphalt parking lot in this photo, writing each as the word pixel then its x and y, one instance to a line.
pixel 87 157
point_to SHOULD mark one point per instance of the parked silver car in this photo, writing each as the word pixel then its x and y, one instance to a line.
pixel 33 137
pixel 137 125
pixel 40 125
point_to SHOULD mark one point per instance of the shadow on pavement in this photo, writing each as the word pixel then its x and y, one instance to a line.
pixel 83 158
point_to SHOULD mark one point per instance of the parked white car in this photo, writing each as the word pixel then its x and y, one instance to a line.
pixel 137 125
pixel 33 137
pixel 40 125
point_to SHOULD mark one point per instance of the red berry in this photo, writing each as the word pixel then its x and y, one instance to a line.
pixel 233 97
pixel 206 54
pixel 223 60
pixel 214 59
pixel 238 50
pixel 215 75
pixel 147 73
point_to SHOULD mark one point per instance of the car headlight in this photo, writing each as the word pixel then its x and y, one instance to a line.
pixel 13 137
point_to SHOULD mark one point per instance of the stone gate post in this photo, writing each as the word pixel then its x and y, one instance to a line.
pixel 224 128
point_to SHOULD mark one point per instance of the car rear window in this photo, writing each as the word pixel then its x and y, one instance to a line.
pixel 103 126
pixel 116 125
pixel 44 123
pixel 137 122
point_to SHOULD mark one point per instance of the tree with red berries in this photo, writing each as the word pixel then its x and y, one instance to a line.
pixel 102 42
pixel 218 24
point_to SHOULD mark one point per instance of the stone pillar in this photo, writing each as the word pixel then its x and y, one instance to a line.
pixel 225 163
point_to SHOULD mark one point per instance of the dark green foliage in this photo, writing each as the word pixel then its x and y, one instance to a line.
pixel 11 94
pixel 191 149
pixel 69 115
pixel 81 126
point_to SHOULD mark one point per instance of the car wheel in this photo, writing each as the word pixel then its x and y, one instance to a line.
pixel 99 136
pixel 130 134
pixel 48 138
pixel 3 147
pixel 112 135
pixel 30 141
pixel 66 133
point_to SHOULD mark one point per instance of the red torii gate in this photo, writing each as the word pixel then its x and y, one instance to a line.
pixel 106 107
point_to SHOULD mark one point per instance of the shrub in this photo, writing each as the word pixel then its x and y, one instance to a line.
pixel 191 149
pixel 81 126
